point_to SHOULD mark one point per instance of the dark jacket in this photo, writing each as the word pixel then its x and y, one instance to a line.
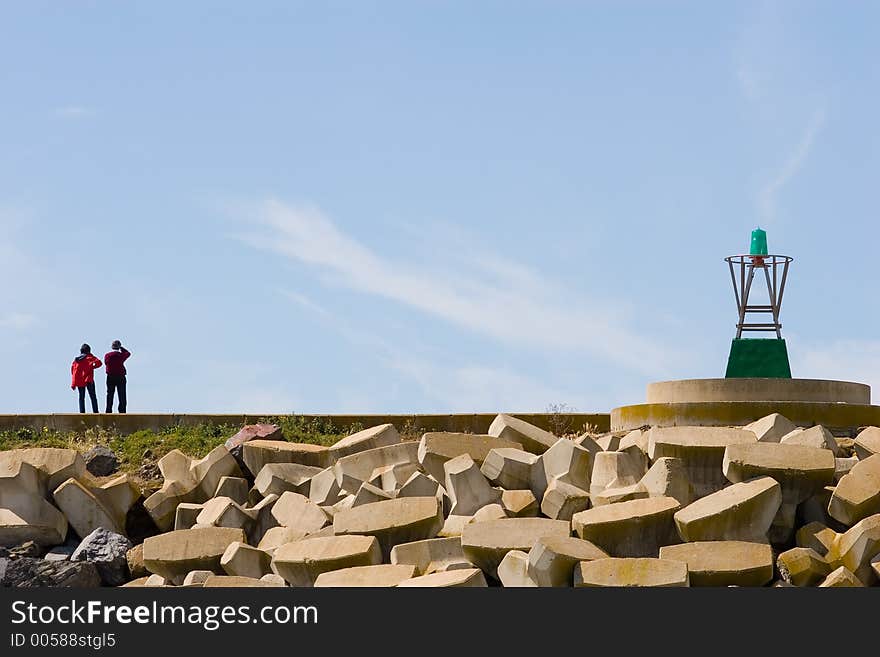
pixel 113 361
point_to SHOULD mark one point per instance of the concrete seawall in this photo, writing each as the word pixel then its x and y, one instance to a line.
pixel 131 422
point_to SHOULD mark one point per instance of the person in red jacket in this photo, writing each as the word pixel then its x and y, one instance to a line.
pixel 113 361
pixel 82 371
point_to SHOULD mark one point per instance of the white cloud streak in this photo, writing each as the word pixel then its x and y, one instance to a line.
pixel 767 68
pixel 73 112
pixel 479 389
pixel 487 296
pixel 767 197
pixel 757 52
pixel 846 360
pixel 304 301
pixel 446 385
pixel 18 321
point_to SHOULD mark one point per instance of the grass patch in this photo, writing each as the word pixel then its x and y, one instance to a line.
pixel 315 431
pixel 140 447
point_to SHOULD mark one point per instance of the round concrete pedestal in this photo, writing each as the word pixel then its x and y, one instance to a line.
pixel 840 406
pixel 797 390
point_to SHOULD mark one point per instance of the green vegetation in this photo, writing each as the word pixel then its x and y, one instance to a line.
pixel 317 431
pixel 144 447
pixel 138 452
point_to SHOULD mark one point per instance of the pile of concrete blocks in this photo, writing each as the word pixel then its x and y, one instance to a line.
pixel 769 504
pixel 44 492
pixel 59 524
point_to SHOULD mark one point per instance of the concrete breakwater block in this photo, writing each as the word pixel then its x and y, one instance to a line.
pixel 301 562
pixel 435 448
pixel 632 571
pixel 637 528
pixel 392 521
pixel 176 553
pixel 741 512
pixel 380 575
pixel 620 509
pixel 257 453
pixel 724 563
pixel 701 449
pixel 485 543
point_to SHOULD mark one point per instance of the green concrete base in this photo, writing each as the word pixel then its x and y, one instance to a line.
pixel 758 358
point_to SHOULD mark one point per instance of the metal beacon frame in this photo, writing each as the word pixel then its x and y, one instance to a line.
pixel 742 275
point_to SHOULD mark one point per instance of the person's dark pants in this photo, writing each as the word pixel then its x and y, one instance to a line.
pixel 116 383
pixel 90 386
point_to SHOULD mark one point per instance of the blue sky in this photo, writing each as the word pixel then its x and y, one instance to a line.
pixel 427 206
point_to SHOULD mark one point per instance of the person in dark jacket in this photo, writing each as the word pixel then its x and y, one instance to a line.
pixel 82 372
pixel 113 362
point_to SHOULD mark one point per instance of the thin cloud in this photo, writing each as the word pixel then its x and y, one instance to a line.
pixel 304 301
pixel 479 388
pixel 73 112
pixel 492 303
pixel 847 359
pixel 760 52
pixel 237 385
pixel 446 385
pixel 765 56
pixel 18 321
pixel 767 198
pixel 750 83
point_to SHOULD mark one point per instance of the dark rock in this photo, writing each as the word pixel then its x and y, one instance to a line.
pixel 106 550
pixel 149 468
pixel 27 572
pixel 149 472
pixel 26 549
pixel 30 549
pixel 101 461
pixel 251 432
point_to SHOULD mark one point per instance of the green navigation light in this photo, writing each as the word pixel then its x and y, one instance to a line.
pixel 759 243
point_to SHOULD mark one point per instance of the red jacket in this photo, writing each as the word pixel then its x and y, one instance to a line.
pixel 83 370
